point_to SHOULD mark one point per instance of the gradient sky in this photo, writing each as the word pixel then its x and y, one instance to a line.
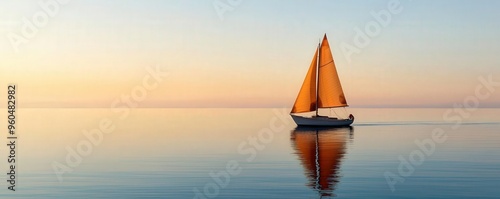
pixel 92 51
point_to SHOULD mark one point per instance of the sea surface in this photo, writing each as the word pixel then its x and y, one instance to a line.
pixel 253 153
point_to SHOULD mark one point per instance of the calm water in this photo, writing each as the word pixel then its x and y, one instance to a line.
pixel 255 153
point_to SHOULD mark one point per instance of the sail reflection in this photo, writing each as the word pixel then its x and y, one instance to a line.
pixel 321 151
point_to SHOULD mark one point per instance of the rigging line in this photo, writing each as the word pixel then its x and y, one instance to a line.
pixel 336 115
pixel 326 64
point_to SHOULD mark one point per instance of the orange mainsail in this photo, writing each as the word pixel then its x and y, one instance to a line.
pixel 330 91
pixel 327 91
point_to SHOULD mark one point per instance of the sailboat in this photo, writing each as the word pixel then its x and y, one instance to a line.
pixel 321 90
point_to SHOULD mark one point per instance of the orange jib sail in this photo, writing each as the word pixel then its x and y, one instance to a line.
pixel 330 91
pixel 306 100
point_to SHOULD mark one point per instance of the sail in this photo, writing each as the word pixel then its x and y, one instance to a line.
pixel 306 100
pixel 330 91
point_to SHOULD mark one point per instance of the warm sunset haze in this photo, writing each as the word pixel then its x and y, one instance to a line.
pixel 237 99
pixel 430 55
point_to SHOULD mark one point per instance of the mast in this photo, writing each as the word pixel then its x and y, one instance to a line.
pixel 317 78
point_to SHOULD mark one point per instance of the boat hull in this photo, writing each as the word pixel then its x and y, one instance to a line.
pixel 321 121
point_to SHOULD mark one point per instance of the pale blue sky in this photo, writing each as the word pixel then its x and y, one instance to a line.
pixel 431 54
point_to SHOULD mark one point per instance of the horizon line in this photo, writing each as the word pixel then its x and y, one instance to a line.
pixel 267 107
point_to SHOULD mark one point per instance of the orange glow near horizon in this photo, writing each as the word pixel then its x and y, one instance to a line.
pixel 248 60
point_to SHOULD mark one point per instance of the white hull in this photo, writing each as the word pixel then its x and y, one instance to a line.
pixel 320 121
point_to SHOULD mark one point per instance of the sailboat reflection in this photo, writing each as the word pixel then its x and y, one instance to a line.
pixel 321 151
